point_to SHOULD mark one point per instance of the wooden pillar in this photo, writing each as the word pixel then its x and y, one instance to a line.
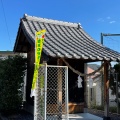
pixel 85 87
pixel 106 92
pixel 59 63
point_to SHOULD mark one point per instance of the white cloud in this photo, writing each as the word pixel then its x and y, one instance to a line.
pixel 112 22
pixel 107 19
pixel 100 20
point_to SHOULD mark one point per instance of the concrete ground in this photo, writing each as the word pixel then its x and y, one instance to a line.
pixel 92 115
pixel 80 116
pixel 84 116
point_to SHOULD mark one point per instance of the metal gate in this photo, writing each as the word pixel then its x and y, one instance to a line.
pixel 51 100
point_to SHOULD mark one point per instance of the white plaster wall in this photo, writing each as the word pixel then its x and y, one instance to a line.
pixel 112 99
pixel 98 93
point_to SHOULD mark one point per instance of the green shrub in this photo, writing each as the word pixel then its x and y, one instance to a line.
pixel 113 109
pixel 11 79
pixel 100 107
pixel 93 106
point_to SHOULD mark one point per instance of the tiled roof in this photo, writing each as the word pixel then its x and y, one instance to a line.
pixel 68 40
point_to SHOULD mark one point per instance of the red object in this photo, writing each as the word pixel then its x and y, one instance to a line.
pixel 43 36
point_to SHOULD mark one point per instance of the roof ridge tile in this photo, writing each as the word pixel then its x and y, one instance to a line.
pixel 34 18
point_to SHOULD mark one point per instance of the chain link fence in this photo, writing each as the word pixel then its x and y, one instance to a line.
pixel 51 102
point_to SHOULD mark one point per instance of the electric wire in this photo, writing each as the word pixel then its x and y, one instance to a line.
pixel 110 38
pixel 6 23
pixel 114 44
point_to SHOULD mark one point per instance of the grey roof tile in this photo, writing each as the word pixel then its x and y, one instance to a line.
pixel 64 39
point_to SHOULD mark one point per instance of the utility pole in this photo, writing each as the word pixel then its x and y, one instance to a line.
pixel 102 38
pixel 108 34
pixel 106 104
pixel 102 81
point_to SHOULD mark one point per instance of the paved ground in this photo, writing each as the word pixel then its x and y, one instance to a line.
pixel 84 116
pixel 80 116
pixel 100 113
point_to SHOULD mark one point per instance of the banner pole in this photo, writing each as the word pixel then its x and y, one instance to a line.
pixel 35 99
pixel 39 39
pixel 45 92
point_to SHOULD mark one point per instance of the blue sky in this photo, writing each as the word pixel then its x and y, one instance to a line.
pixel 95 16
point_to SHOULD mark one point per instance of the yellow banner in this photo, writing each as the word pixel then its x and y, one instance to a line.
pixel 39 39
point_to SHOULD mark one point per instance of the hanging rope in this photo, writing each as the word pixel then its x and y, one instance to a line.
pixel 79 73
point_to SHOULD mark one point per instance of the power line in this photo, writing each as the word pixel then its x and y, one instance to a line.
pixel 112 43
pixel 110 38
pixel 6 23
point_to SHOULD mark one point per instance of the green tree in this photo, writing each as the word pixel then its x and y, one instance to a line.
pixel 116 69
pixel 11 79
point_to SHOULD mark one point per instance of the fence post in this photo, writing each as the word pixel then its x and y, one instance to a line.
pixel 66 90
pixel 45 92
pixel 59 62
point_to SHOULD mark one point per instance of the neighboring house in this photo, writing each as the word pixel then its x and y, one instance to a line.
pixel 62 40
pixel 5 54
pixel 95 93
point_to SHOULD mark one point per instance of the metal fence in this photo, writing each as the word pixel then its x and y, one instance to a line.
pixel 51 101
